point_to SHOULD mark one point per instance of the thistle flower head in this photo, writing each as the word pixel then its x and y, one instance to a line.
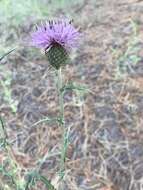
pixel 57 38
pixel 52 32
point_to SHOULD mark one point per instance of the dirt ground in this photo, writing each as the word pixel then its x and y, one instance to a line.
pixel 106 142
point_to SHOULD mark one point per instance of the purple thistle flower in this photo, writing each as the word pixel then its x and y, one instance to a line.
pixel 57 38
pixel 56 32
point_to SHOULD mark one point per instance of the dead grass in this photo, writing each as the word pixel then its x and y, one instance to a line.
pixel 105 150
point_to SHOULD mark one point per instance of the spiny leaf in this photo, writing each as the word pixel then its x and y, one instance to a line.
pixel 47 183
pixel 3 56
pixel 35 176
pixel 72 86
pixel 3 128
pixel 49 120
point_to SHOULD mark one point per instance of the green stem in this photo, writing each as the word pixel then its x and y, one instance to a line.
pixel 61 100
pixel 62 123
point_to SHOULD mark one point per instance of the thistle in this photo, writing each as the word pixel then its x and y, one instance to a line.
pixel 57 38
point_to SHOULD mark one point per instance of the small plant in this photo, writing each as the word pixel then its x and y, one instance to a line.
pixel 58 38
pixel 7 92
pixel 9 167
pixel 5 83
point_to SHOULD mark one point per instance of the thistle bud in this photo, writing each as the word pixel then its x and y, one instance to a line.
pixel 57 56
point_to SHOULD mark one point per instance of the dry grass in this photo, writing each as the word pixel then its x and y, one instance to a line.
pixel 105 124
